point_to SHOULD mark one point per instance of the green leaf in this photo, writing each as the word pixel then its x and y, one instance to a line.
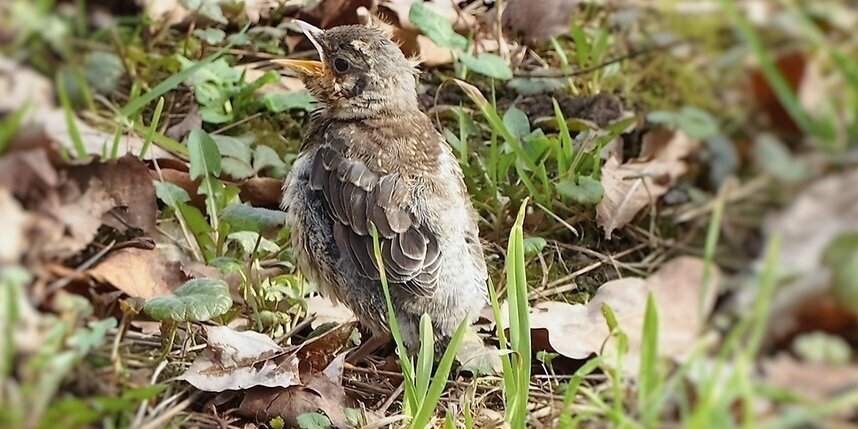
pixel 516 122
pixel 204 154
pixel 280 102
pixel 171 194
pixel 436 27
pixel 823 348
pixel 236 168
pixel 264 157
pixel 217 71
pixel 313 421
pixel 248 239
pixel 697 123
pixel 277 423
pixel 86 340
pixel 103 70
pixel 212 36
pixel 243 217
pixel 207 8
pixel 236 147
pixel 533 86
pixel 195 301
pixel 586 191
pixel 773 157
pixel 534 245
pixel 354 416
pixel 489 65
pixel 215 114
pixel 841 256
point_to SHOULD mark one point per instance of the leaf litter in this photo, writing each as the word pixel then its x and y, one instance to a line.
pixel 102 229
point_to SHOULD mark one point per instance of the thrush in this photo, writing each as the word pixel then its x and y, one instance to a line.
pixel 372 159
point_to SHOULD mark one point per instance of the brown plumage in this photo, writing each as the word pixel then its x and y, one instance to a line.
pixel 373 158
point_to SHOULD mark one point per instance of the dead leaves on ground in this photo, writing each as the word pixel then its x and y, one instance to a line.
pixel 278 381
pixel 579 331
pixel 632 185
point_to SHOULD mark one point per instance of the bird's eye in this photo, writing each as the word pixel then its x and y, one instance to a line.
pixel 341 65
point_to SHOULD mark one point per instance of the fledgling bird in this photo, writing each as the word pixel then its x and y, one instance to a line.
pixel 373 158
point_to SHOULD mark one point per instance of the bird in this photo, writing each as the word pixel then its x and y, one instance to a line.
pixel 372 160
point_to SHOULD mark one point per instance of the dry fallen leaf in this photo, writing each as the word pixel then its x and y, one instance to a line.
pixel 22 86
pixel 816 382
pixel 579 331
pixel 12 242
pixel 322 391
pixel 81 217
pixel 326 311
pixel 538 24
pixel 631 186
pixel 127 180
pixel 140 273
pixel 240 360
pixel 821 212
pixel 164 12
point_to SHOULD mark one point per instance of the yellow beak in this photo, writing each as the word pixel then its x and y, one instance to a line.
pixel 307 67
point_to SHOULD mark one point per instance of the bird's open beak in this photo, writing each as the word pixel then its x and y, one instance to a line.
pixel 307 67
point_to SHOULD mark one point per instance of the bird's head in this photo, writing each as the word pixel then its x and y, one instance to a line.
pixel 361 71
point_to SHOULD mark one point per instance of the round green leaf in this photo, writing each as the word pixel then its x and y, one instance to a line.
pixel 313 421
pixel 243 217
pixel 195 301
pixel 436 27
pixel 489 65
pixel 586 191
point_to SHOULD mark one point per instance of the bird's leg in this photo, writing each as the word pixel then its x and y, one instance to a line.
pixel 375 342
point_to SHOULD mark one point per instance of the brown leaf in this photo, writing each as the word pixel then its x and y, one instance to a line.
pixel 821 212
pixel 29 176
pixel 139 272
pixel 322 392
pixel 128 181
pixel 816 382
pixel 538 24
pixel 318 353
pixel 578 331
pixel 631 186
pixel 165 12
pixel 331 13
pixel 13 243
pixel 80 215
pixel 240 360
pixel 181 129
pixel 326 311
pixel 22 86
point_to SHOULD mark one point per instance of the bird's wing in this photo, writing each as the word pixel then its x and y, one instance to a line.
pixel 357 198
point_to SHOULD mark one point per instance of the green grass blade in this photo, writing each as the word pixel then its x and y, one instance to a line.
pixel 411 399
pixel 162 141
pixel 117 136
pixel 566 148
pixel 173 81
pixel 495 121
pixel 776 79
pixel 426 358
pixel 156 118
pixel 10 126
pixel 648 378
pixel 71 122
pixel 510 386
pixel 439 382
pixel 519 317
